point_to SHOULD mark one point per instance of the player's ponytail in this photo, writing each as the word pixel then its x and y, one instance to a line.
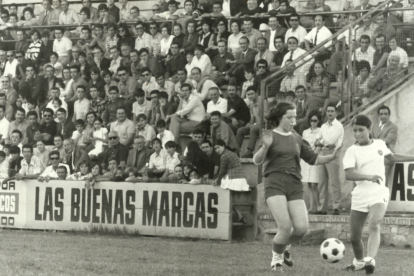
pixel 276 114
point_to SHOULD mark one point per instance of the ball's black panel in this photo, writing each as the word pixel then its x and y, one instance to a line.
pixel 335 252
pixel 326 244
pixel 338 241
pixel 335 261
pixel 324 256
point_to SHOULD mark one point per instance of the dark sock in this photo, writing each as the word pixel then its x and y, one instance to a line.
pixel 278 248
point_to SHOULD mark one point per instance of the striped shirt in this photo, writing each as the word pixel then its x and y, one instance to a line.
pixel 34 50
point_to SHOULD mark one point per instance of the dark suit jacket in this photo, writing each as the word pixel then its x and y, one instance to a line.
pixel 280 31
pixel 310 103
pixel 68 129
pixel 132 156
pixel 105 64
pixel 100 83
pixel 55 80
pixel 236 6
pixel 79 155
pixel 189 45
pixel 34 88
pixel 248 60
pixel 388 134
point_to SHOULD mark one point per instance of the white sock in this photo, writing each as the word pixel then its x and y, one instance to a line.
pixel 369 259
pixel 359 264
pixel 288 247
pixel 276 258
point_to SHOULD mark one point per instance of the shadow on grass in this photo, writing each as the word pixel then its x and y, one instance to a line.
pixel 105 231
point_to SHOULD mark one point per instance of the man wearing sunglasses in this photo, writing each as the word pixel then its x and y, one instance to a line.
pixel 150 83
pixel 296 30
pixel 51 171
pixel 143 39
pixel 116 151
pixel 48 128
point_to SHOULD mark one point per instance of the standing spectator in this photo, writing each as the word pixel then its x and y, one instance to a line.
pixel 365 52
pixel 192 108
pixel 31 166
pixel 253 127
pixel 319 83
pixel 48 128
pixel 294 53
pixel 199 160
pixel 138 157
pixel 238 113
pixel 367 29
pixel 381 53
pixel 244 58
pixel 222 131
pixel 68 16
pixel 116 151
pixel 296 30
pixel 51 171
pixel 33 85
pixel 19 124
pixel 113 10
pixel 81 106
pixel 45 14
pixel 317 35
pixel 305 104
pixel 62 46
pixel 65 127
pixel 310 173
pixel 332 134
pixel 124 127
pixel 383 27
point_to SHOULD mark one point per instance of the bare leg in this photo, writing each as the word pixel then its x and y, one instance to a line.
pixel 278 205
pixel 377 213
pixel 357 221
pixel 299 218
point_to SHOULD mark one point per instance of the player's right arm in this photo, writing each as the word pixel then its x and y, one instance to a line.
pixel 260 155
pixel 351 175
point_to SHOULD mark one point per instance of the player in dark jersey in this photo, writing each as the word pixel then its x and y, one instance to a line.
pixel 280 153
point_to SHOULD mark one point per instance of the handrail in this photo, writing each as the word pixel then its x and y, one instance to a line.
pixel 347 118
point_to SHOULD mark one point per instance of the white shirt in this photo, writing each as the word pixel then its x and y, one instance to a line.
pixel 61 47
pixel 272 47
pixel 226 8
pixel 322 34
pixel 402 54
pixel 193 108
pixel 172 161
pixel 168 136
pixel 221 106
pixel 35 166
pixel 4 128
pixel 300 33
pixel 158 161
pixel 304 69
pixel 332 133
pixel 165 44
pixel 204 63
pixel 149 86
pixel 64 104
pixel 49 171
pixel 141 108
pixel 11 68
pixel 368 55
pixel 115 64
pixel 369 160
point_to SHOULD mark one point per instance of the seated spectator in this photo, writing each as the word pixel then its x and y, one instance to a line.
pixel 19 124
pixel 144 129
pixel 198 135
pixel 155 108
pixel 78 136
pixel 104 16
pixel 157 163
pixel 201 60
pixel 21 44
pixel 294 53
pixel 367 29
pixel 253 127
pixel 395 50
pixel 280 8
pixel 11 65
pixel 249 74
pixel 251 33
pixel 42 153
pixel 7 88
pixel 361 92
pixel 114 102
pixel 261 73
pixel 365 52
pixel 138 157
pixel 172 160
pixel 263 52
pixel 123 127
pixel 171 14
pixel 100 61
pixel 189 57
pixel 150 83
pixel 58 146
pixel 150 62
pixel 200 160
pixel 51 171
pixel 15 160
pixel 62 46
pixel 166 108
pixel 44 15
pixel 135 15
pixel 163 134
pixel 383 27
pixel 178 171
pixel 244 58
pixel 81 106
pixel 84 67
pixel 55 94
pixel 296 30
pixel 127 85
pixel 165 86
pixel 220 67
pixel 35 48
pixel 203 85
pixel 4 166
pixel 319 83
pixel 141 106
pixel 221 130
pixel 116 151
pixel 31 166
pixel 190 39
pixel 74 155
pixel 78 81
pixel 94 13
pixel 317 35
pixel 192 108
pixel 57 66
pixel 96 81
pixel 305 104
pixel 322 7
pixel 64 127
pixel 83 173
pixel 48 128
pixel 32 132
pixel 32 86
pixel 178 35
pixel 182 75
pixel 99 40
pixel 8 109
pixel 16 139
pixel 381 53
pixel 85 43
pixel 207 147
pixel 29 19
pixel 155 38
pixel 68 16
pixel 165 42
pixel 291 81
pixel 387 76
pixel 116 60
pixel 231 175
pixel 174 63
pixel 143 39
pixel 233 40
pixel 111 171
pixel 274 30
pixel 221 35
pixel 238 114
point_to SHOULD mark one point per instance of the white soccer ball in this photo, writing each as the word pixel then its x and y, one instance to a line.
pixel 332 250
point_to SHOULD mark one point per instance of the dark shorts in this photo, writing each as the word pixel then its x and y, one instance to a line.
pixel 278 183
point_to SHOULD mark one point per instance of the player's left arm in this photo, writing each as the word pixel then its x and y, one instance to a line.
pixel 396 157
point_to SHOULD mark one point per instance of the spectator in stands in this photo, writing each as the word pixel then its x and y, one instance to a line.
pixel 4 125
pixel 74 155
pixel 281 51
pixel 19 124
pixel 395 50
pixel 33 85
pixel 203 85
pixel 171 14
pixel 138 157
pixel 165 86
pixel 294 53
pixel 16 139
pixel 199 160
pixel 367 29
pixel 144 129
pixel 116 151
pixel 361 92
pixel 183 78
pixel 51 171
pixel 32 132
pixel 388 76
pixel 216 103
pixel 381 53
pixel 191 38
pixel 332 133
pixel 275 30
pixel 238 114
pixel 9 110
pixel 172 160
pixel 35 48
pixel 220 66
pixel 45 14
pixel 98 40
pixel 11 65
pixel 135 15
pixel 124 127
pixel 7 88
pixel 113 10
pixel 201 60
pixel 31 166
pixel 221 130
pixel 124 36
pixel 163 134
pixel 124 10
pixel 150 62
pixel 68 16
pixel 85 43
pixel 253 127
pixel 155 108
pixel 58 146
pixel 365 52
pixel 101 62
pixel 29 18
pixel 40 151
pixel 305 104
pixel 322 7
pixel 155 38
pixel 116 60
pixel 233 43
pixel 55 13
pixel 94 14
pixel 48 128
pixel 64 127
pixel 292 79
pixel 296 30
pixel 263 52
pixel 141 106
pixel 364 6
pixel 21 44
pixel 77 81
pixel 252 10
pixel 243 59
pixel 127 85
pixel 207 147
pixel 178 35
pixel 383 27
pixel 104 16
pixel 62 46
pixel 251 33
pixel 317 35
pixel 198 136
pixel 114 102
pixel 143 39
pixel 97 82
pixel 174 62
pixel 319 83
pixel 233 7
pixel 81 106
pixel 15 160
pixel 222 34
pixel 157 163
pixel 4 166
pixel 192 108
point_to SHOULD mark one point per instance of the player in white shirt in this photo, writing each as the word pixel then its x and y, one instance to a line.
pixel 364 163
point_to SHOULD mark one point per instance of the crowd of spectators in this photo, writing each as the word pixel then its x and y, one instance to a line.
pixel 112 99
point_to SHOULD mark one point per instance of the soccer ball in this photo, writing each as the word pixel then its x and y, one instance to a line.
pixel 332 250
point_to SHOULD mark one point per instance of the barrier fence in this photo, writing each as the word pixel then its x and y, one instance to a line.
pixel 177 210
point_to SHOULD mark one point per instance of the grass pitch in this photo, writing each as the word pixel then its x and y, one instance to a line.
pixel 46 253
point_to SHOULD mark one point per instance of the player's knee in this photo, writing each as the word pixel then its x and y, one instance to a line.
pixel 285 230
pixel 301 230
pixel 374 226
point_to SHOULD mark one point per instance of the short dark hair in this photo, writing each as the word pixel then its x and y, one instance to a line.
pixel 161 124
pixel 27 146
pixel 171 144
pixel 384 107
pixel 215 113
pixel 60 109
pixel 207 142
pixel 79 122
pixel 18 132
pixel 332 105
pixel 163 95
pixel 54 152
pixel 300 86
pixel 366 37
pixel 49 110
pixel 14 149
pixel 142 116
pixel 63 168
pixel 32 113
pixel 198 131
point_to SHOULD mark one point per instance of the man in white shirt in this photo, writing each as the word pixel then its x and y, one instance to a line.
pixel 68 16
pixel 203 85
pixel 332 134
pixel 294 53
pixel 11 65
pixel 81 106
pixel 366 51
pixel 292 80
pixel 296 30
pixel 189 115
pixel 124 10
pixel 217 103
pixel 4 125
pixel 124 127
pixel 31 165
pixel 317 35
pixel 201 60
pixel 62 46
pixel 143 39
pixel 51 171
pixel 171 14
pixel 165 85
pixel 116 60
pixel 149 82
pixel 275 30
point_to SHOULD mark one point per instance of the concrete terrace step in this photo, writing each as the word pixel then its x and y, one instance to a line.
pixel 312 237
